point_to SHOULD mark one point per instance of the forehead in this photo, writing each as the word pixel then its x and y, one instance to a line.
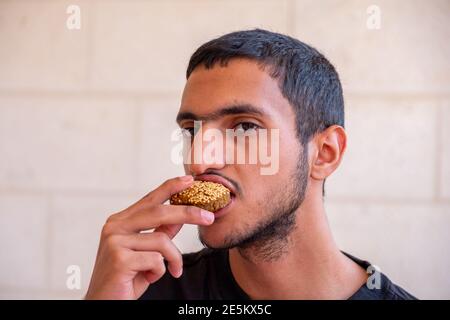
pixel 241 80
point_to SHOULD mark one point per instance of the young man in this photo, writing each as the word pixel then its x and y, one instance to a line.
pixel 272 241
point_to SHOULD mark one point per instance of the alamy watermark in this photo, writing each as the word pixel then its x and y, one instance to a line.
pixel 374 279
pixel 73 281
pixel 236 146
pixel 73 21
pixel 373 21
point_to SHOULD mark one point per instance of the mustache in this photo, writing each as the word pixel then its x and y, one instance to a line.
pixel 231 181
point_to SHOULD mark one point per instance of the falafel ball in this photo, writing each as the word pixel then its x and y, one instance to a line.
pixel 207 195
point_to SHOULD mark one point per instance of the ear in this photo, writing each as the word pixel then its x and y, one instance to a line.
pixel 329 148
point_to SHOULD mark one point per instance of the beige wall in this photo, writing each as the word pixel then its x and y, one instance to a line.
pixel 85 118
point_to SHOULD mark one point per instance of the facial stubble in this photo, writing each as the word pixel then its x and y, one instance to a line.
pixel 268 238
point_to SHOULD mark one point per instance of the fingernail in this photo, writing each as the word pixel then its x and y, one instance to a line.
pixel 207 216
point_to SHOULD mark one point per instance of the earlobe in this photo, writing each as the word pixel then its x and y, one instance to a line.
pixel 329 148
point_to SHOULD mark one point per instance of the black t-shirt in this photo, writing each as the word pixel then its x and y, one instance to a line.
pixel 207 276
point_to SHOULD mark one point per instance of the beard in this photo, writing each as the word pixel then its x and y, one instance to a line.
pixel 268 240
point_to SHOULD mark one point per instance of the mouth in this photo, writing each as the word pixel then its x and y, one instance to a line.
pixel 226 184
pixel 221 212
pixel 217 179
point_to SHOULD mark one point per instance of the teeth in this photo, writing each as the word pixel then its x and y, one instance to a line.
pixel 207 195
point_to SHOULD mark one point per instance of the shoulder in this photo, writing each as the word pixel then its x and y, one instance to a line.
pixel 395 292
pixel 378 286
pixel 386 290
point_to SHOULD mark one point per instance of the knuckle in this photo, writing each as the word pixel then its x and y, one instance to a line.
pixel 110 224
pixel 161 238
pixel 171 184
pixel 108 229
pixel 168 182
pixel 156 258
pixel 111 241
pixel 150 197
pixel 179 179
pixel 166 245
pixel 148 209
pixel 192 212
pixel 113 217
pixel 160 210
pixel 147 206
pixel 161 270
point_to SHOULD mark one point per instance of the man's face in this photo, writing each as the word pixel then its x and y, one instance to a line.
pixel 259 201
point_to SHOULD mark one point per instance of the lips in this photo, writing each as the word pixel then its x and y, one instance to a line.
pixel 217 179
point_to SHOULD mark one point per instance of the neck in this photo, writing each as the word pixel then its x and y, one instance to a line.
pixel 311 266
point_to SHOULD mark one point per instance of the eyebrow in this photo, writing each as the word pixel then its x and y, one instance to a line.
pixel 228 110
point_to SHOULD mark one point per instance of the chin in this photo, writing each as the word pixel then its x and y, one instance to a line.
pixel 213 237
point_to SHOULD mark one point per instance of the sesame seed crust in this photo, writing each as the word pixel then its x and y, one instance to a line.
pixel 207 195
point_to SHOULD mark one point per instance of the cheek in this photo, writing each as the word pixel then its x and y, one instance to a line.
pixel 258 186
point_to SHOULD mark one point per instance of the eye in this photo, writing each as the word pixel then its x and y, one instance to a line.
pixel 245 126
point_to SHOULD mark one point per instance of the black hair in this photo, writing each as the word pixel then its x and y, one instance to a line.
pixel 306 78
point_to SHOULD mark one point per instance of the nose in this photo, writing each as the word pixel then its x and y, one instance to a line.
pixel 207 151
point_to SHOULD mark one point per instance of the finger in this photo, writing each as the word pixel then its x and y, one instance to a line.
pixel 168 188
pixel 157 216
pixel 151 263
pixel 170 229
pixel 159 242
pixel 156 197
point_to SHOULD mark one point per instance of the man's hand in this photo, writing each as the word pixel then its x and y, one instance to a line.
pixel 128 261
